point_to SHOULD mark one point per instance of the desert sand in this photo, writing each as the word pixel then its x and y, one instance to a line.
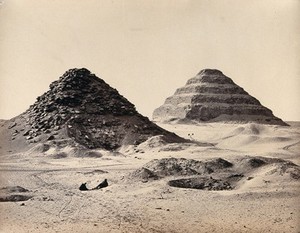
pixel 262 195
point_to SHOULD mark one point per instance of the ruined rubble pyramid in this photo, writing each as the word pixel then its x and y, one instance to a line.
pixel 211 96
pixel 82 107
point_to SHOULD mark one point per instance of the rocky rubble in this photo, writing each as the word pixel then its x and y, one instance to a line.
pixel 213 174
pixel 211 96
pixel 83 108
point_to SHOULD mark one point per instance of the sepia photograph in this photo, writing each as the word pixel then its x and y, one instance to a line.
pixel 157 116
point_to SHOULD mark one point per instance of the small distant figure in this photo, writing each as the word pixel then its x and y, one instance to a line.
pixel 103 184
pixel 191 135
pixel 83 187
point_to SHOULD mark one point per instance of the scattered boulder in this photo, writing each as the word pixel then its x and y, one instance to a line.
pixel 13 124
pixel 52 137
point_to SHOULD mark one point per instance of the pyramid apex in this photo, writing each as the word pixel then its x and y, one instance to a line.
pixel 210 72
pixel 78 71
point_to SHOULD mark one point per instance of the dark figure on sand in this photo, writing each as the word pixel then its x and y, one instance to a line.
pixel 103 184
pixel 83 187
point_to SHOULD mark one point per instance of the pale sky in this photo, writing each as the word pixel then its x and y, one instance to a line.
pixel 148 49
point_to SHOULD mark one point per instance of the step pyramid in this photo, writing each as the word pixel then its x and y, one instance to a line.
pixel 211 96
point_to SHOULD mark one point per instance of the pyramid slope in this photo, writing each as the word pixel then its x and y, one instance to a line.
pixel 211 96
pixel 82 108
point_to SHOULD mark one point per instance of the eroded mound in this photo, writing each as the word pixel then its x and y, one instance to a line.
pixel 160 168
pixel 13 189
pixel 204 183
pixel 14 198
pixel 287 168
pixel 247 163
pixel 160 143
pixel 145 174
pixel 83 108
pixel 13 194
pixel 217 174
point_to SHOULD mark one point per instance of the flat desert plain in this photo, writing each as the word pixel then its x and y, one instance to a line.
pixel 232 178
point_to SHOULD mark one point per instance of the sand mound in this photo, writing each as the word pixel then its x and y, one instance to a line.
pixel 11 194
pixel 155 141
pixel 39 148
pixel 13 189
pixel 92 154
pixel 249 129
pixel 14 198
pixel 255 136
pixel 59 155
pixel 295 147
pixel 255 129
pixel 247 163
pixel 183 146
pixel 145 174
pixel 97 171
pixel 285 168
pixel 160 168
pixel 218 163
pixel 62 149
pixel 174 147
pixel 218 174
pixel 162 144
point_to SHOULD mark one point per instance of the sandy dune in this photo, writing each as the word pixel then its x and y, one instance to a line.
pixel 263 197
